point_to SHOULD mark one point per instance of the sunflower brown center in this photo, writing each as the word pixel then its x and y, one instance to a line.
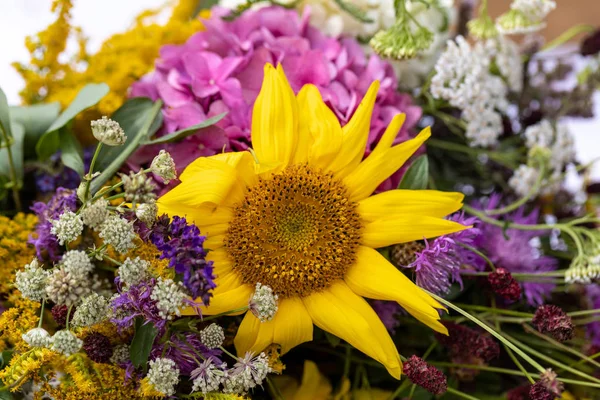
pixel 296 232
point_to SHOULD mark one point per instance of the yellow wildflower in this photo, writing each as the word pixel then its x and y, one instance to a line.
pixel 24 366
pixel 20 318
pixel 15 252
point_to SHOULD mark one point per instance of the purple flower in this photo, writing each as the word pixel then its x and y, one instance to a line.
pixel 136 302
pixel 221 70
pixel 513 250
pixel 184 350
pixel 182 244
pixel 593 328
pixel 387 312
pixel 65 177
pixel 439 263
pixel 46 244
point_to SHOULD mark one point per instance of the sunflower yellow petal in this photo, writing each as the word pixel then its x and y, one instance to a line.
pixel 387 139
pixel 396 203
pixel 320 133
pixel 214 242
pixel 275 119
pixel 401 229
pixel 253 335
pixel 244 164
pixel 293 324
pixel 355 135
pixel 230 295
pixel 314 386
pixel 341 312
pixel 378 167
pixel 372 276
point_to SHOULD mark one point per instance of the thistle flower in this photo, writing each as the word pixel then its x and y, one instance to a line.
pixel 94 215
pixel 147 213
pixel 247 373
pixel 136 302
pixel 120 354
pixel 552 320
pixel 163 375
pixel 428 377
pixel 65 342
pixel 547 388
pixel 119 233
pixel 387 311
pixel 108 132
pixel 212 336
pixel 169 297
pixel 67 288
pixel 98 347
pixel 504 285
pixel 134 271
pixel 77 262
pixel 92 310
pixel 32 281
pixel 67 227
pixel 164 167
pixel 138 187
pixel 208 376
pixel 37 337
pixel 263 303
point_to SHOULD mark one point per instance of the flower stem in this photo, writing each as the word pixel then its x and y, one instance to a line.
pixel 568 35
pixel 274 389
pixel 519 365
pixel 91 170
pixel 519 202
pixel 227 352
pixel 225 313
pixel 461 394
pixel 479 253
pixel 68 317
pixel 8 142
pixel 42 312
pixel 348 361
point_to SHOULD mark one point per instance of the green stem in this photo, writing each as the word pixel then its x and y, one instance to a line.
pixel 42 312
pixel 401 388
pixel 225 313
pixel 568 35
pixel 13 170
pixel 412 391
pixel 228 353
pixel 91 170
pixel 519 202
pixel 68 316
pixel 115 196
pixel 348 361
pixel 461 394
pixel 274 390
pixel 519 365
pixel 479 253
pixel 495 310
pixel 498 336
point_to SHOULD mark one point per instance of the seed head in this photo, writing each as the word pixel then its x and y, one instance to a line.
pixel 212 336
pixel 263 303
pixel 504 285
pixel 164 166
pixel 66 288
pixel 552 320
pixel 95 214
pixel 146 213
pixel 65 342
pixel 108 132
pixel 425 375
pixel 32 281
pixel 138 187
pixel 37 337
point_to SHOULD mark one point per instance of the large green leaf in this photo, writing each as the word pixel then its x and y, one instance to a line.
pixel 36 119
pixel 18 132
pixel 87 97
pixel 139 118
pixel 70 152
pixel 416 176
pixel 141 345
pixel 183 133
pixel 4 117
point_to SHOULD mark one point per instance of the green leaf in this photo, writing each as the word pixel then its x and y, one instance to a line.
pixel 87 97
pixel 417 175
pixel 333 340
pixel 36 119
pixel 141 345
pixel 18 132
pixel 183 133
pixel 4 117
pixel 139 118
pixel 6 356
pixel 70 152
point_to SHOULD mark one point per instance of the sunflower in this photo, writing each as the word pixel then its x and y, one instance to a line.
pixel 297 214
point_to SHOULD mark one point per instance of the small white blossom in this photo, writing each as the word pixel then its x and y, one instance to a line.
pixel 120 354
pixel 37 337
pixel 147 213
pixel 523 180
pixel 32 281
pixel 247 373
pixel 77 262
pixel 208 376
pixel 164 166
pixel 263 303
pixel 95 214
pixel 212 336
pixel 163 375
pixel 540 134
pixel 65 342
pixel 92 310
pixel 536 10
pixel 108 132
pixel 67 227
pixel 118 233
pixel 134 271
pixel 563 149
pixel 138 187
pixel 169 297
pixel 66 288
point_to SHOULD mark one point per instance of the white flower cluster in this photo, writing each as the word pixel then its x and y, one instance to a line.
pixel 247 373
pixel 108 132
pixel 77 262
pixel 585 271
pixel 164 166
pixel 147 212
pixel 32 281
pixel 169 297
pixel 536 10
pixel 65 342
pixel 138 187
pixel 92 310
pixel 67 227
pixel 67 288
pixel 134 271
pixel 463 78
pixel 263 303
pixel 212 336
pixel 37 337
pixel 120 354
pixel 95 214
pixel 118 233
pixel 208 376
pixel 525 16
pixel 163 375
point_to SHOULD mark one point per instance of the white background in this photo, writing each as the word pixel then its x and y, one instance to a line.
pixel 102 18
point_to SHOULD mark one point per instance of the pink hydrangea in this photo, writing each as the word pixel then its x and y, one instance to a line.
pixel 221 70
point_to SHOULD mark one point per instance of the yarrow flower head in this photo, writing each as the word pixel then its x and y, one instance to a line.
pixel 32 281
pixel 163 375
pixel 92 310
pixel 97 347
pixel 134 271
pixel 263 303
pixel 212 336
pixel 120 354
pixel 94 215
pixel 77 262
pixel 147 213
pixel 65 342
pixel 208 376
pixel 552 320
pixel 138 187
pixel 164 167
pixel 108 132
pixel 67 227
pixel 428 377
pixel 67 288
pixel 119 233
pixel 37 337
pixel 169 297
pixel 247 373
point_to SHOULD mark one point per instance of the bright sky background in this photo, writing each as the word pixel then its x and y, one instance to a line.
pixel 101 18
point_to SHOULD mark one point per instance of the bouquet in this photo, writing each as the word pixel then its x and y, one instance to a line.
pixel 302 200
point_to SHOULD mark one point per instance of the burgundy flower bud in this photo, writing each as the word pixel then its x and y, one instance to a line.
pixel 504 285
pixel 59 313
pixel 427 376
pixel 97 347
pixel 591 44
pixel 519 393
pixel 462 341
pixel 547 388
pixel 552 320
